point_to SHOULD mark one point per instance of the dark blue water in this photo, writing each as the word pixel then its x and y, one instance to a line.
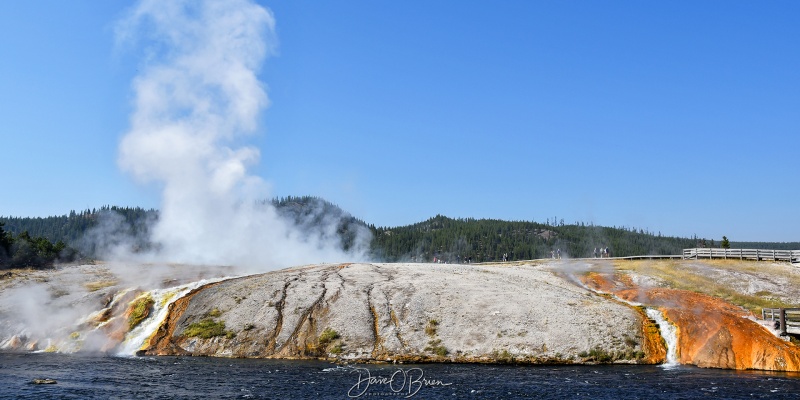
pixel 81 377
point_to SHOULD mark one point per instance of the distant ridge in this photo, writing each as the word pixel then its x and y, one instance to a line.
pixel 440 237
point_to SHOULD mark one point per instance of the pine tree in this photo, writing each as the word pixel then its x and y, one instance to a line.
pixel 6 242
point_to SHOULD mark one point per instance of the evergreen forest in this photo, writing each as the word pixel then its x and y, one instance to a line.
pixel 39 242
pixel 26 251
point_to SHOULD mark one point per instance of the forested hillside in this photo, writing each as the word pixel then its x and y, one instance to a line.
pixel 440 237
pixel 71 228
pixel 488 240
pixel 25 251
pixel 315 216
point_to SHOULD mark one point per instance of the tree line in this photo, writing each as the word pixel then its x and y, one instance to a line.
pixel 440 237
pixel 26 251
pixel 480 240
pixel 39 242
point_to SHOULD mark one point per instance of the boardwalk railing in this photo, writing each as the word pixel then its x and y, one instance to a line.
pixel 786 318
pixel 792 256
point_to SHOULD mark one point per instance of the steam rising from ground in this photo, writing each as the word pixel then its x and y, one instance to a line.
pixel 196 96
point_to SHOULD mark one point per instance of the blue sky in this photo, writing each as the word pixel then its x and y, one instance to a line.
pixel 678 117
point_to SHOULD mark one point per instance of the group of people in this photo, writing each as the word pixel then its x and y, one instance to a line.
pixel 555 254
pixel 459 259
pixel 603 252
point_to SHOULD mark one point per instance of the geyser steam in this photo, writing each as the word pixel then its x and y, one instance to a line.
pixel 196 96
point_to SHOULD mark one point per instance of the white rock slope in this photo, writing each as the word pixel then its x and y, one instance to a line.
pixel 405 312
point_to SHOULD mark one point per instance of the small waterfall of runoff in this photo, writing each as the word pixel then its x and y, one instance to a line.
pixel 669 333
pixel 667 330
pixel 136 339
pixel 97 329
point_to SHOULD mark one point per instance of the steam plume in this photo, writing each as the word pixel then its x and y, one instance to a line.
pixel 196 96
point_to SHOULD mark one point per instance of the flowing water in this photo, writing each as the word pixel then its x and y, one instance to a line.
pixel 105 377
pixel 162 298
pixel 88 334
pixel 668 332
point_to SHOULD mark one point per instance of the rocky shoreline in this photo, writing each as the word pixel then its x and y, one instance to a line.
pixel 572 312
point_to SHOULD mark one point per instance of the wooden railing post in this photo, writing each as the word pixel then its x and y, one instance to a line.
pixel 783 321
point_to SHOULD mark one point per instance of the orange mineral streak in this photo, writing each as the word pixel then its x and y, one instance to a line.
pixel 714 333
pixel 711 332
pixel 115 319
pixel 599 282
pixel 163 342
pixel 652 344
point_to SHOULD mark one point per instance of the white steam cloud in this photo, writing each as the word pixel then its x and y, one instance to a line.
pixel 196 95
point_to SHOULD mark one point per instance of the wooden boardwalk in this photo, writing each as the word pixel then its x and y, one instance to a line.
pixel 787 320
pixel 792 256
pixel 651 257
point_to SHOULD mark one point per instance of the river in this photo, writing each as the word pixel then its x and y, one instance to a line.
pixel 105 377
